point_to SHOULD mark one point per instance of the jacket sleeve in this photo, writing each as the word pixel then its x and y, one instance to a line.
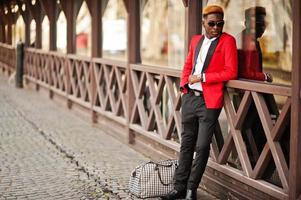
pixel 229 71
pixel 187 68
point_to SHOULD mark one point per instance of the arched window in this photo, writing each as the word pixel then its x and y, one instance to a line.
pixel 45 33
pixel 19 30
pixel 32 33
pixel 83 31
pixel 61 32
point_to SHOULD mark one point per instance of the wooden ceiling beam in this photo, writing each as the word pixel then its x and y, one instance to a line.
pixel 52 11
pixel 91 5
pixel 36 11
pixel 38 15
pixel 51 8
pixel 26 15
pixel 71 9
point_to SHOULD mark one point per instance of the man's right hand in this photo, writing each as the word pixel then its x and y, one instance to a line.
pixel 269 77
pixel 194 79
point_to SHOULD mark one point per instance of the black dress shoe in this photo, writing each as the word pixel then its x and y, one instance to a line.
pixel 174 194
pixel 191 195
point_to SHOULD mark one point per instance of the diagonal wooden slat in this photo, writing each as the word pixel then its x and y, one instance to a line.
pixel 142 113
pixel 238 140
pixel 139 91
pixel 276 133
pixel 135 82
pixel 108 78
pixel 243 110
pixel 218 134
pixel 282 121
pixel 98 73
pixel 226 149
pixel 161 84
pixel 177 114
pixel 275 147
pixel 155 107
pixel 142 85
pixel 151 120
pixel 170 126
pixel 121 86
pixel 169 85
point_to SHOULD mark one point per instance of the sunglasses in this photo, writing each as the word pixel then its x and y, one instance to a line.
pixel 218 24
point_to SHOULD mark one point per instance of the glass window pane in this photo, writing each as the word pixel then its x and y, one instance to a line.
pixel 61 32
pixel 32 33
pixel 20 30
pixel 266 26
pixel 83 31
pixel 162 33
pixel 45 34
pixel 114 24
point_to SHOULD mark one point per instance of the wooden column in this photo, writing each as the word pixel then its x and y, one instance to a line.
pixel 27 30
pixel 3 22
pixel 27 19
pixel 6 23
pixel 133 48
pixel 71 9
pixel 11 19
pixel 38 42
pixel 193 16
pixel 52 11
pixel 295 143
pixel 38 14
pixel 9 34
pixel 96 9
pixel 2 33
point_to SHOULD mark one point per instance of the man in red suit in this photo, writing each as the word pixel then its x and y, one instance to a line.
pixel 249 52
pixel 211 61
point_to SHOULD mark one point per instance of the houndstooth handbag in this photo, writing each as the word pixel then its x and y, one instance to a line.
pixel 153 179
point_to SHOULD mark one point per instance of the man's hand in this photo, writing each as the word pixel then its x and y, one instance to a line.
pixel 269 77
pixel 194 79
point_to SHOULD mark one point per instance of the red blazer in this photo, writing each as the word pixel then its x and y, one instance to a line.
pixel 220 66
pixel 249 65
pixel 249 62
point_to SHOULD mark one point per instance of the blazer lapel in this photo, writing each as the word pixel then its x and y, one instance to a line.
pixel 196 52
pixel 210 54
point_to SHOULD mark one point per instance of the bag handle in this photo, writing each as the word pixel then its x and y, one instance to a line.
pixel 159 173
pixel 160 164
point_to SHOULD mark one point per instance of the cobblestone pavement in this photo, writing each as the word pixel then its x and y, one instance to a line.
pixel 47 152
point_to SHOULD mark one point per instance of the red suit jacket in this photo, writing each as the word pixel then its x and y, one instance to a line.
pixel 250 59
pixel 220 66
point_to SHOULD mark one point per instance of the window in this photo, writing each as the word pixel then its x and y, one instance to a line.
pixel 61 40
pixel 245 19
pixel 45 34
pixel 162 33
pixel 83 31
pixel 114 24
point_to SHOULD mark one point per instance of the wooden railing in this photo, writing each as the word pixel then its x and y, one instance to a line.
pixel 109 89
pixel 96 84
pixel 257 136
pixel 156 111
pixel 7 58
pixel 239 151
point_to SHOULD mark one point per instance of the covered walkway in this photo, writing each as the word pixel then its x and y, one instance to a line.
pixel 48 152
pixel 255 152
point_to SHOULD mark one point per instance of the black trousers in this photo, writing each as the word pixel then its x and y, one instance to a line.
pixel 198 124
